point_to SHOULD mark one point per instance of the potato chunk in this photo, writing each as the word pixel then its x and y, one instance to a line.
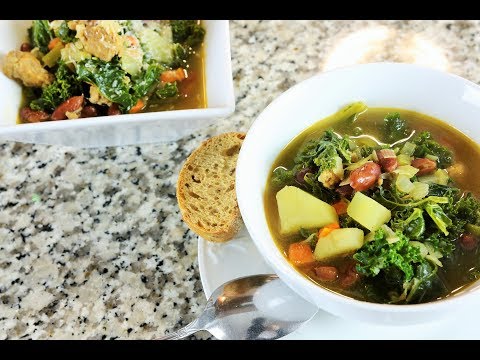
pixel 338 242
pixel 368 212
pixel 299 209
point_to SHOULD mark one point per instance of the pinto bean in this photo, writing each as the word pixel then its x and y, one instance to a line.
pixel 73 104
pixel 89 111
pixel 350 277
pixel 346 191
pixel 31 116
pixel 26 47
pixel 468 242
pixel 424 166
pixel 114 110
pixel 326 273
pixel 365 176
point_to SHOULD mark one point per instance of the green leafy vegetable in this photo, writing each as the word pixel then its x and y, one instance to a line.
pixel 426 285
pixel 188 32
pixel 394 127
pixel 427 146
pixel 65 34
pixel 40 34
pixel 180 55
pixel 437 214
pixel 282 177
pixel 110 79
pixel 467 208
pixel 317 189
pixel 147 81
pixel 415 224
pixel 168 90
pixel 379 255
pixel 64 87
pixel 305 233
pixel 322 152
pixel 441 243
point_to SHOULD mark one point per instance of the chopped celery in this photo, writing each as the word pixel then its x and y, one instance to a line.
pixel 419 191
pixel 440 176
pixel 408 148
pixel 51 58
pixel 404 184
pixel 404 159
pixel 407 170
pixel 359 163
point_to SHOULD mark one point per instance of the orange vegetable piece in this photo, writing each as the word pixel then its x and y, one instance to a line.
pixel 137 107
pixel 340 207
pixel 300 253
pixel 173 75
pixel 53 43
pixel 328 229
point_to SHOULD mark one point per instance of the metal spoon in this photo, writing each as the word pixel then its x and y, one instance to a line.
pixel 250 308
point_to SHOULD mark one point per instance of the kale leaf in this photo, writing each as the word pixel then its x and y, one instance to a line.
pixel 317 189
pixel 415 224
pixel 188 32
pixel 427 146
pixel 322 152
pixel 282 177
pixel 64 87
pixel 65 34
pixel 111 80
pixel 168 90
pixel 180 55
pixel 441 243
pixel 147 81
pixel 426 285
pixel 439 217
pixel 394 127
pixel 379 255
pixel 40 34
pixel 467 208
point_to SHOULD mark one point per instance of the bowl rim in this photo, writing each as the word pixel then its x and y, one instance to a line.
pixel 285 269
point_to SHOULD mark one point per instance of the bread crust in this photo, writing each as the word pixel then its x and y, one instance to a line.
pixel 225 146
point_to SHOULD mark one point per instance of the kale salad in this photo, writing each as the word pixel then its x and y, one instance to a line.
pixel 379 204
pixel 72 69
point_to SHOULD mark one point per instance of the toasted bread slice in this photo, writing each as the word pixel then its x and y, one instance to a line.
pixel 206 188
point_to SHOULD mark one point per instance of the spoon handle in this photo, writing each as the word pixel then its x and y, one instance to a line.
pixel 183 332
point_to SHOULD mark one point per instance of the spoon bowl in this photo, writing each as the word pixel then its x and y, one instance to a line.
pixel 251 308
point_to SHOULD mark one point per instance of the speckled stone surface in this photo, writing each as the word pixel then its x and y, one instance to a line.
pixel 91 241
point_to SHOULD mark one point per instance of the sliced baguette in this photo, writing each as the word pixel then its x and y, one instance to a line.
pixel 206 188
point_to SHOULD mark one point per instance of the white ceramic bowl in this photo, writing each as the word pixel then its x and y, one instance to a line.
pixel 444 96
pixel 121 129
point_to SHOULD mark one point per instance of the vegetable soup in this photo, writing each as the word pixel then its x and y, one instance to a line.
pixel 379 204
pixel 73 69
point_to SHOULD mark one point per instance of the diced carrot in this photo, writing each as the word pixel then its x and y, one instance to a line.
pixel 137 107
pixel 173 75
pixel 53 43
pixel 340 207
pixel 328 229
pixel 300 253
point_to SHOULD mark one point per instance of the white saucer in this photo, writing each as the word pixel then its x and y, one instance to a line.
pixel 219 263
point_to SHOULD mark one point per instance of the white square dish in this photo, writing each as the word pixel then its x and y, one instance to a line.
pixel 121 129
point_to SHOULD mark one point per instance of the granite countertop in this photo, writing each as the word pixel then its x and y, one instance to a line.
pixel 92 245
